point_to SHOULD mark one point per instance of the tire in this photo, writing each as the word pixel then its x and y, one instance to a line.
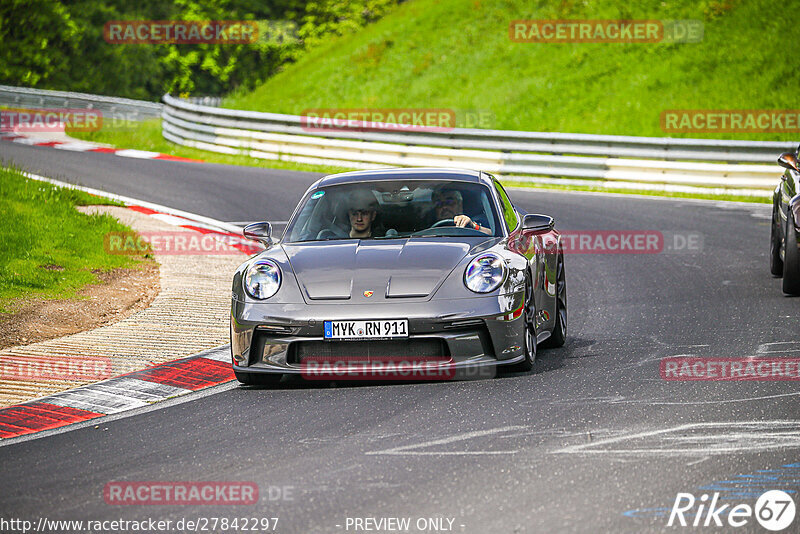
pixel 791 260
pixel 257 379
pixel 775 261
pixel 529 335
pixel 559 335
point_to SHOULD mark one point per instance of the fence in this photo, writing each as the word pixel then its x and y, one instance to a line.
pixel 653 160
pixel 123 108
pixel 698 162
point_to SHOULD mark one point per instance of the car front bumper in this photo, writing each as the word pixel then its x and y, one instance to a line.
pixel 459 333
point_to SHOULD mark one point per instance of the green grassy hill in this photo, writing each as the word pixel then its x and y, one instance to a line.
pixel 457 54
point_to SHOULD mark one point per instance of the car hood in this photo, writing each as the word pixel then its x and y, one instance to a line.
pixel 397 268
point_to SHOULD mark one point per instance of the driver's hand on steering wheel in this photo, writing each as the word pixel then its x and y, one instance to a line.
pixel 463 221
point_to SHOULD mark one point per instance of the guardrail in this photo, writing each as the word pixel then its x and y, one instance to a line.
pixel 112 107
pixel 653 160
pixel 698 162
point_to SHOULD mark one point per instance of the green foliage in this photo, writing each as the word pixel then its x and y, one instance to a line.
pixel 60 45
pixel 457 55
pixel 334 17
pixel 37 36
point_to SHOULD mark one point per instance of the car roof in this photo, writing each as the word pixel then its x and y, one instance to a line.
pixel 460 175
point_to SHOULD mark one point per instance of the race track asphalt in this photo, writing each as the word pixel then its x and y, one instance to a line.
pixel 592 440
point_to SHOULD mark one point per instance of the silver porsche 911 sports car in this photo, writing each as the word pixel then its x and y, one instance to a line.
pixel 389 268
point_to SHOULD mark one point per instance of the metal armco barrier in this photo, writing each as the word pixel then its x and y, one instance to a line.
pixel 120 108
pixel 649 160
pixel 691 162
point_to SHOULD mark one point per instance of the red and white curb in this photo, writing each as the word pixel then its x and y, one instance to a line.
pixel 226 232
pixel 166 214
pixel 234 240
pixel 139 388
pixel 118 394
pixel 84 146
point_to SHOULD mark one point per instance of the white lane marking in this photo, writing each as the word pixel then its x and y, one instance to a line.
pixel 170 219
pixel 212 223
pixel 141 154
pixel 724 438
pixel 27 141
pixel 744 399
pixel 76 146
pixel 790 346
pixel 245 223
pixel 615 399
pixel 405 450
pixel 623 400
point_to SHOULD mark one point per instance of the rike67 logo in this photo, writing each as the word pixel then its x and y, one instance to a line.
pixel 774 510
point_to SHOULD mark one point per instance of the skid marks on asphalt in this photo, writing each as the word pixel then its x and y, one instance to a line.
pixel 504 441
pixel 698 441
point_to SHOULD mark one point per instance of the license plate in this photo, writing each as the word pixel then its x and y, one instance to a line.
pixel 366 329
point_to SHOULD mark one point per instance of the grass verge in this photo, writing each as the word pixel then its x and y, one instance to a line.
pixel 458 55
pixel 47 248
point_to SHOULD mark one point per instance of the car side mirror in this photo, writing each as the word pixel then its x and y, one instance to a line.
pixel 260 231
pixel 537 223
pixel 788 160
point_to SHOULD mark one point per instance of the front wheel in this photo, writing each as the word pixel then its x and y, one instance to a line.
pixel 559 335
pixel 791 260
pixel 529 336
pixel 775 261
pixel 257 379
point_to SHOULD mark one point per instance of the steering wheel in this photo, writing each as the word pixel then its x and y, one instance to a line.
pixel 328 233
pixel 444 222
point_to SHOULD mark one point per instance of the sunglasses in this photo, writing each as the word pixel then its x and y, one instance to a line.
pixel 446 202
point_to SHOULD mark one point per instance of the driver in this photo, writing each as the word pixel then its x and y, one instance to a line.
pixel 449 204
pixel 361 210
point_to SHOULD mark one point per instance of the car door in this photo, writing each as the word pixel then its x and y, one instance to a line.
pixel 537 249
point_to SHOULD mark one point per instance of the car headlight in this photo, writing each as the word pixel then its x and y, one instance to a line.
pixel 485 273
pixel 262 279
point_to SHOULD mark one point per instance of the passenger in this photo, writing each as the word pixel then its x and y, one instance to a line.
pixel 362 210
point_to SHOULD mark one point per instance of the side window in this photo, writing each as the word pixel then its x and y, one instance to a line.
pixel 509 214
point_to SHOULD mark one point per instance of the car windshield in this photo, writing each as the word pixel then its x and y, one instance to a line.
pixel 395 209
